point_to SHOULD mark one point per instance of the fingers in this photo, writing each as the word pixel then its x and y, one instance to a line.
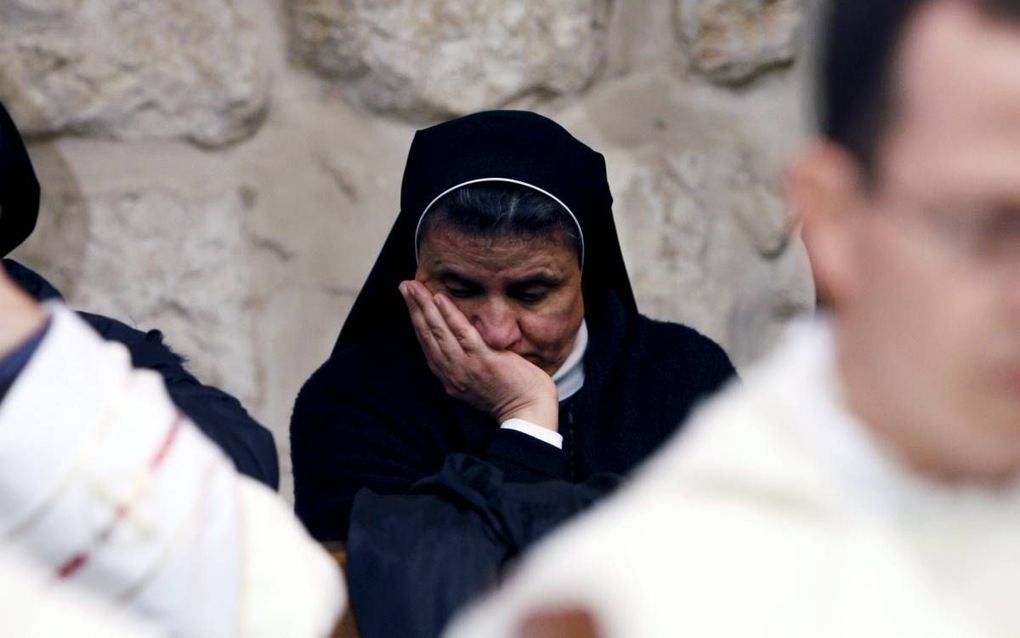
pixel 434 323
pixel 459 326
pixel 438 341
pixel 421 328
pixel 499 382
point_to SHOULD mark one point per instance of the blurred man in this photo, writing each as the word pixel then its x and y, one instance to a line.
pixel 119 517
pixel 249 445
pixel 866 481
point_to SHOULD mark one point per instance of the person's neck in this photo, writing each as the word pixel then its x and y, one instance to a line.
pixel 569 377
pixel 20 317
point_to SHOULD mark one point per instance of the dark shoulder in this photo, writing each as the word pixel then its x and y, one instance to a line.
pixel 147 348
pixel 680 349
pixel 376 367
pixel 30 281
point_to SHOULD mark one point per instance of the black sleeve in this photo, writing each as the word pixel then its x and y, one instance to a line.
pixel 345 436
pixel 219 415
pixel 415 559
pixel 523 458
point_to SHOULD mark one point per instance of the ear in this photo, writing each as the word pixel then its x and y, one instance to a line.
pixel 824 193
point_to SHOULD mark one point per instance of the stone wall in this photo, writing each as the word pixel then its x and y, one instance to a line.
pixel 226 170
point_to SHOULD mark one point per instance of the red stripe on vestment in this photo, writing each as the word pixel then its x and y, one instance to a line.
pixel 168 442
pixel 76 562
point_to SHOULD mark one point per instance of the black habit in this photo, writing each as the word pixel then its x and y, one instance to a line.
pixel 444 496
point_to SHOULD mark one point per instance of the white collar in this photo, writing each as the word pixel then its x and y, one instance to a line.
pixel 570 377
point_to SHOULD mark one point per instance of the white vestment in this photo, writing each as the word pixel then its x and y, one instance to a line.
pixel 777 513
pixel 108 492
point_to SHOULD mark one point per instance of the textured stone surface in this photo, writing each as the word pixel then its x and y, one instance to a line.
pixel 431 58
pixel 249 255
pixel 132 70
pixel 732 40
pixel 159 259
pixel 705 234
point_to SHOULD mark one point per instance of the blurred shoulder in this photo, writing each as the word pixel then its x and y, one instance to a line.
pixel 679 347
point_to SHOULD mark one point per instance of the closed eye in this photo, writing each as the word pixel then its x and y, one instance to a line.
pixel 530 293
pixel 460 292
pixel 460 287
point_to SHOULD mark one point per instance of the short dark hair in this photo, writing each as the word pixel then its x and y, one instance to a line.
pixel 502 209
pixel 860 42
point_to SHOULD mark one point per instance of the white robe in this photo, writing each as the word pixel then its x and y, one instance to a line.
pixel 776 513
pixel 106 488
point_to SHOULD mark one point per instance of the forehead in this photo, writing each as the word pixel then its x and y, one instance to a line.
pixel 958 96
pixel 509 256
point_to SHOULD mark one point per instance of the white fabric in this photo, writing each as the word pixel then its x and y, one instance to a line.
pixel 31 608
pixel 106 487
pixel 569 379
pixel 777 514
pixel 545 435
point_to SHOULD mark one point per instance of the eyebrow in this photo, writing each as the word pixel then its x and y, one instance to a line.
pixel 538 279
pixel 448 274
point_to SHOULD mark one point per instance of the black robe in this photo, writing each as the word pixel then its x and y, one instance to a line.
pixel 432 496
pixel 475 495
pixel 378 418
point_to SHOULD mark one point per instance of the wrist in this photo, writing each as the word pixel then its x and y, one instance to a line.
pixel 542 417
pixel 542 409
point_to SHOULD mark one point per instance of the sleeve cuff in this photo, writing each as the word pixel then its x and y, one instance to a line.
pixel 545 435
pixel 524 458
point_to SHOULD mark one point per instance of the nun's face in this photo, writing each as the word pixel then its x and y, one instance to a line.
pixel 522 294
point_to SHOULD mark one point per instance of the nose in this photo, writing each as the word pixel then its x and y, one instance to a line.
pixel 497 323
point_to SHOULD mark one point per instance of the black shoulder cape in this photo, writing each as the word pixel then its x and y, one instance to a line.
pixel 19 188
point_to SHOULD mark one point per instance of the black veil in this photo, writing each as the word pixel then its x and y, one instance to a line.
pixel 517 146
pixel 19 188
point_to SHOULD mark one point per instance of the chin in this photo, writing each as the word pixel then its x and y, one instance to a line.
pixel 538 361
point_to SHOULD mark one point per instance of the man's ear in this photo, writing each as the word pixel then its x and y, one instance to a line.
pixel 823 186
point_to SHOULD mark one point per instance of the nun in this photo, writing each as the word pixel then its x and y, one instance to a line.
pixel 494 376
pixel 219 415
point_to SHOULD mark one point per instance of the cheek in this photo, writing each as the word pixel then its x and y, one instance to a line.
pixel 932 312
pixel 544 332
pixel 554 328
pixel 897 279
pixel 471 308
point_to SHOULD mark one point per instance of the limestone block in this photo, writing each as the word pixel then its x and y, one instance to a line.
pixel 160 259
pixel 132 70
pixel 704 231
pixel 427 59
pixel 731 41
